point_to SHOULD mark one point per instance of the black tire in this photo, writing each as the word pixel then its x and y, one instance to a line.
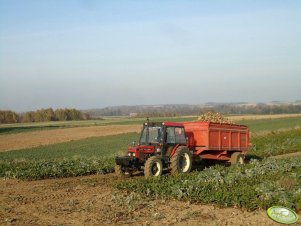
pixel 119 171
pixel 237 159
pixel 153 167
pixel 181 161
pixel 198 164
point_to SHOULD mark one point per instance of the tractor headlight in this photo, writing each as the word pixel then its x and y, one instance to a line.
pixel 134 154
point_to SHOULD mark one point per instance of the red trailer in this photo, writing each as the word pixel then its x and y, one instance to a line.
pixel 215 140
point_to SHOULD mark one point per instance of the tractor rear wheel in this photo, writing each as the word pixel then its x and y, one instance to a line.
pixel 181 161
pixel 237 159
pixel 153 167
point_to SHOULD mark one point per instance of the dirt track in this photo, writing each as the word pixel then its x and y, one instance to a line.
pixel 33 139
pixel 91 200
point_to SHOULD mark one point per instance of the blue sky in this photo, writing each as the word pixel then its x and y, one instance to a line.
pixel 90 54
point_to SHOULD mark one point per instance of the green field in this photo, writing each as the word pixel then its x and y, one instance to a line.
pixel 263 145
pixel 74 158
pixel 266 125
pixel 103 149
pixel 255 125
pixel 276 143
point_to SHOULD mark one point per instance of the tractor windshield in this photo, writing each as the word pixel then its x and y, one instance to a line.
pixel 150 135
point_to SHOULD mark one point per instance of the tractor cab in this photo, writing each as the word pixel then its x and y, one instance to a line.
pixel 162 135
pixel 159 142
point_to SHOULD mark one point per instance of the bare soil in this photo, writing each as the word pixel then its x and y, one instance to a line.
pixel 256 117
pixel 37 138
pixel 92 200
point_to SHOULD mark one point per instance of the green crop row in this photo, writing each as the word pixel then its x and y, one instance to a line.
pixel 276 143
pixel 35 170
pixel 255 185
pixel 74 158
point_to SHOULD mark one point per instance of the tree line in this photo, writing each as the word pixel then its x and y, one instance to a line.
pixel 43 115
pixel 182 110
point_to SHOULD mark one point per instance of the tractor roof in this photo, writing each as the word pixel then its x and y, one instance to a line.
pixel 163 123
pixel 172 124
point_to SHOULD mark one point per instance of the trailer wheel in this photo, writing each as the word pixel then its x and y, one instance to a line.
pixel 153 167
pixel 121 172
pixel 237 159
pixel 181 161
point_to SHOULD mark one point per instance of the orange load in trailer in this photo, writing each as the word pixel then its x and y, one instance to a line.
pixel 217 141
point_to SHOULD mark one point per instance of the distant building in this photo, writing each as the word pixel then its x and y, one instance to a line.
pixel 133 114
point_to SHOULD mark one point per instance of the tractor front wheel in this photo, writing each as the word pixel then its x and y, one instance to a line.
pixel 153 167
pixel 181 161
pixel 119 171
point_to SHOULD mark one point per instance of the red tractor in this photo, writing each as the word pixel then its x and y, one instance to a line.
pixel 176 146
